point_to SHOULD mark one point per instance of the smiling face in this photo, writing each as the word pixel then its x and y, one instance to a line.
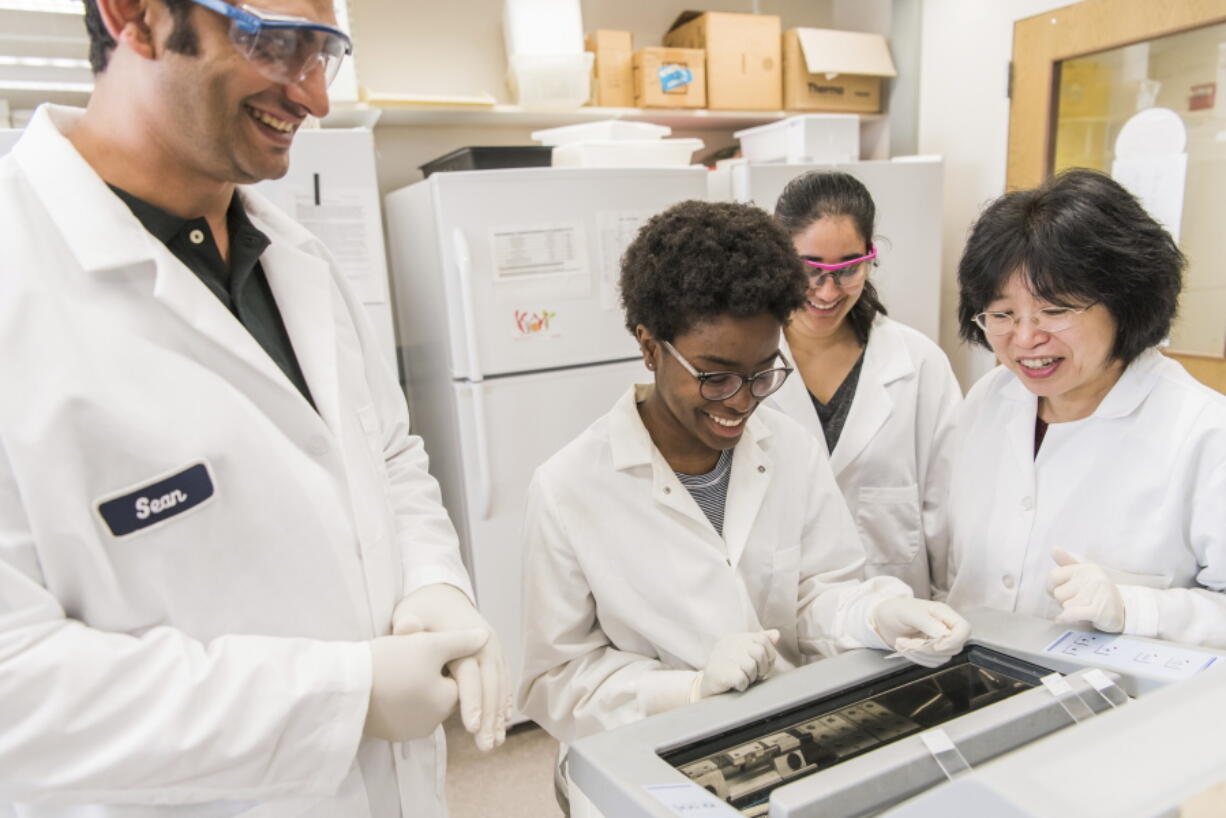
pixel 219 115
pixel 687 428
pixel 1072 370
pixel 830 240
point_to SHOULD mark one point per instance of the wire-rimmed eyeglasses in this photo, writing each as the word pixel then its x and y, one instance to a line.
pixel 1048 319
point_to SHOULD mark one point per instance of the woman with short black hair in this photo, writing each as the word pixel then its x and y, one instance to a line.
pixel 1089 480
pixel 691 541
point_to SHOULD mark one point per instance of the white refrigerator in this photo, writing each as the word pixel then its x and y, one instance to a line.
pixel 511 336
pixel 908 195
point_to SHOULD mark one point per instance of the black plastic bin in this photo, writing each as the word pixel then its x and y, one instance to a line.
pixel 489 158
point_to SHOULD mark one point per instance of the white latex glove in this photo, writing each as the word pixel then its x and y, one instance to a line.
pixel 409 695
pixel 736 662
pixel 484 686
pixel 1086 592
pixel 927 633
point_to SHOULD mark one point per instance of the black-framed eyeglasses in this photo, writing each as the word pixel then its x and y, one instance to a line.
pixel 723 385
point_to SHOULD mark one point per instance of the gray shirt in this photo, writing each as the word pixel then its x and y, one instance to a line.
pixel 833 415
pixel 710 490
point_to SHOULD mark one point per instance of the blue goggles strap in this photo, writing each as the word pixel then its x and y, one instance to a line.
pixel 252 23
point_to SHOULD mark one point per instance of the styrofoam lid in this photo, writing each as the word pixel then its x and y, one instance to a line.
pixel 603 131
pixel 787 122
pixel 1152 132
pixel 692 143
pixel 828 51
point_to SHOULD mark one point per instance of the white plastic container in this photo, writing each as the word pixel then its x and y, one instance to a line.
pixel 542 27
pixel 551 80
pixel 606 130
pixel 807 139
pixel 637 153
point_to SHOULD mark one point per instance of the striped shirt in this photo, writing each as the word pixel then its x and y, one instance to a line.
pixel 710 490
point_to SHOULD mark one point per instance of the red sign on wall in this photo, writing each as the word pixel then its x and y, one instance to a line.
pixel 1200 97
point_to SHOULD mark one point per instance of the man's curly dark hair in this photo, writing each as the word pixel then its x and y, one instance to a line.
pixel 701 260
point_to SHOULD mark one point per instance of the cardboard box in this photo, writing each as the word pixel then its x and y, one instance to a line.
pixel 670 78
pixel 744 64
pixel 828 70
pixel 613 72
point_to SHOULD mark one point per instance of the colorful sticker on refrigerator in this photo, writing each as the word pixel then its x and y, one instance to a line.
pixel 616 230
pixel 538 250
pixel 535 324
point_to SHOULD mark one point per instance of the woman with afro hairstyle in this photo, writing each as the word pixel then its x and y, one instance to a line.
pixel 1089 472
pixel 691 541
pixel 878 395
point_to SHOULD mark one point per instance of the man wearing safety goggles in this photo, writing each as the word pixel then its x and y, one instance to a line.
pixel 228 585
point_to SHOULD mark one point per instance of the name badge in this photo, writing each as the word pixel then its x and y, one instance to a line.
pixel 157 502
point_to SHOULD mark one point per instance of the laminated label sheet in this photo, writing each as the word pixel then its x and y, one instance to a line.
pixel 349 226
pixel 1132 655
pixel 525 251
pixel 616 230
pixel 690 800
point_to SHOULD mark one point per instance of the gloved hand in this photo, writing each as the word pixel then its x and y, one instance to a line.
pixel 1086 592
pixel 484 686
pixel 736 662
pixel 927 633
pixel 409 695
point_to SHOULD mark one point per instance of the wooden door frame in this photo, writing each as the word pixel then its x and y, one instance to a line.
pixel 1041 42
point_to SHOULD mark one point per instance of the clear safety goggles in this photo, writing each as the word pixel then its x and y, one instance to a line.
pixel 284 48
pixel 844 272
pixel 723 385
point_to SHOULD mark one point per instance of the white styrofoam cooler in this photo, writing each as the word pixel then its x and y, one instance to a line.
pixel 551 80
pixel 542 27
pixel 811 138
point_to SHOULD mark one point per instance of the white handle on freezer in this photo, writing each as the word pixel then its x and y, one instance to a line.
pixel 483 481
pixel 464 265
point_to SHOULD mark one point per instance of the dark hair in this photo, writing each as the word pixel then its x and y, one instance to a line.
pixel 183 38
pixel 1079 238
pixel 817 194
pixel 698 261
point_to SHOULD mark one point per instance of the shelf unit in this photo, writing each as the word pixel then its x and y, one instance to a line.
pixel 356 115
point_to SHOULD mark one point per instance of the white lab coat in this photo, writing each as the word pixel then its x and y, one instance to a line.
pixel 893 449
pixel 1138 487
pixel 627 586
pixel 213 664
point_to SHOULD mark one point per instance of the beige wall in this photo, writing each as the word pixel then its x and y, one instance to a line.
pixel 456 47
pixel 964 116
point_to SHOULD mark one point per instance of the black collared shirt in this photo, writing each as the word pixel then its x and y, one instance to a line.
pixel 241 285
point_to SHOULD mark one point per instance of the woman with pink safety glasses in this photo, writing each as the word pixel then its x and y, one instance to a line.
pixel 877 393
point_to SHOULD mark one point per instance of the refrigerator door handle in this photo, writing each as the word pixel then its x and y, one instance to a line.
pixel 484 480
pixel 464 266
